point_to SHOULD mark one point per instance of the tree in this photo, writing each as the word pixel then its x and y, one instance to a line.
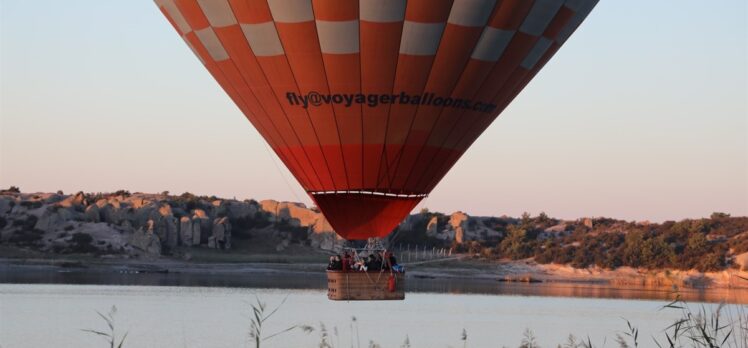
pixel 632 246
pixel 82 243
pixel 516 245
pixel 526 219
pixel 718 215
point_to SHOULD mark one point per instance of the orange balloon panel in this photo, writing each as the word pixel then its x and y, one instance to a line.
pixel 370 102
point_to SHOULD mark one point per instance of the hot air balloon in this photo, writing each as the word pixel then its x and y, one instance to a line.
pixel 369 103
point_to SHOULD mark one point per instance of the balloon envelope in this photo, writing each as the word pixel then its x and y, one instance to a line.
pixel 370 102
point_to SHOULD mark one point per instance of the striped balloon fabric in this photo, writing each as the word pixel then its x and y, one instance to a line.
pixel 370 102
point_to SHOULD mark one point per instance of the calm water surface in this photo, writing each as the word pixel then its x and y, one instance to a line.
pixel 48 308
pixel 43 315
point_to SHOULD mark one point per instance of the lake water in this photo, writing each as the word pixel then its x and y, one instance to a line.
pixel 44 315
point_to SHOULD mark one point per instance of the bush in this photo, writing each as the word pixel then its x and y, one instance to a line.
pixel 29 223
pixel 123 193
pixel 26 238
pixel 517 244
pixel 13 189
pixel 297 233
pixel 82 243
pixel 241 227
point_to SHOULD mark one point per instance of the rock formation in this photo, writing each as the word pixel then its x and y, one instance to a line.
pixel 220 237
pixel 146 241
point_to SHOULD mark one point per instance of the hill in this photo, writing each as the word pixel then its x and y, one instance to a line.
pixel 148 226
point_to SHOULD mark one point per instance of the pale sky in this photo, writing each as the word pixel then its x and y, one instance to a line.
pixel 642 115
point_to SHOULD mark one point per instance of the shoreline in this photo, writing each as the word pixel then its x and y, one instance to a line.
pixel 457 268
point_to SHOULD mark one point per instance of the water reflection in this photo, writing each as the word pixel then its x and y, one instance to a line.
pixel 267 279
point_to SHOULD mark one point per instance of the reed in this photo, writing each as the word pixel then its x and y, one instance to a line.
pixel 110 336
pixel 724 327
pixel 260 314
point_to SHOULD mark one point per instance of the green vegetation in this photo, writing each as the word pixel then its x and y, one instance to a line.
pixel 82 243
pixel 12 189
pixel 708 244
pixel 26 235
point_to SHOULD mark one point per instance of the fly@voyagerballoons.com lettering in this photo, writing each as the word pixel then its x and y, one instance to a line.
pixel 314 98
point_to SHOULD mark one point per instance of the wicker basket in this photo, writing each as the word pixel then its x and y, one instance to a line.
pixel 362 286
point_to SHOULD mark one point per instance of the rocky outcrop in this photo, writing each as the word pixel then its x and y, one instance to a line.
pixel 457 227
pixel 201 227
pixel 241 210
pixel 220 236
pixel 185 231
pixel 6 205
pixel 432 229
pixel 163 223
pixel 146 242
pixel 53 218
pixel 742 261
pixel 92 213
pixel 458 223
pixel 320 234
pixel 79 200
pixel 297 214
pixel 188 221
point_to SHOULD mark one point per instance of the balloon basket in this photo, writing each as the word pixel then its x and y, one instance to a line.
pixel 365 286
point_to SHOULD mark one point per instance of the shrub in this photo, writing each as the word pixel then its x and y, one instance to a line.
pixel 241 227
pixel 13 189
pixel 82 243
pixel 30 237
pixel 123 193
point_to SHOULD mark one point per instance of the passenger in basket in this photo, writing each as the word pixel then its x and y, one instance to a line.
pixel 359 266
pixel 335 264
pixel 391 258
pixel 338 264
pixel 346 262
pixel 331 264
pixel 372 264
pixel 393 263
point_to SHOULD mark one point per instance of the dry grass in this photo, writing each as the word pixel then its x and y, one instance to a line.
pixel 724 327
pixel 110 334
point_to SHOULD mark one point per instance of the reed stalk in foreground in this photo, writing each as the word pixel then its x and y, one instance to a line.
pixel 724 327
pixel 110 336
pixel 259 317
